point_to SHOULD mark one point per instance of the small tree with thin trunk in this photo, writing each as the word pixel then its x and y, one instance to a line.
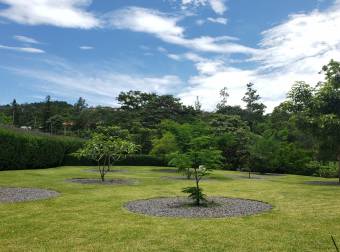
pixel 201 158
pixel 106 149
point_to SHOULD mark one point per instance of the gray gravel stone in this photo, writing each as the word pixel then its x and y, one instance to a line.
pixel 182 207
pixel 14 194
pixel 115 181
pixel 333 183
pixel 111 171
pixel 182 178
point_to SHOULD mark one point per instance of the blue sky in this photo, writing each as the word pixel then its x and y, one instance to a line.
pixel 189 48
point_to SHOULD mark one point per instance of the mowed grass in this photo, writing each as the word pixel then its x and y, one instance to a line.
pixel 92 217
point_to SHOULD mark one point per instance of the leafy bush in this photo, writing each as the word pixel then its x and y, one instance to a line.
pixel 328 170
pixel 28 150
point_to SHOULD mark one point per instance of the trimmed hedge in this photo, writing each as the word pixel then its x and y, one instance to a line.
pixel 28 150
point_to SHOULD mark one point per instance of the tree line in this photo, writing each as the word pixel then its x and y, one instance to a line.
pixel 301 135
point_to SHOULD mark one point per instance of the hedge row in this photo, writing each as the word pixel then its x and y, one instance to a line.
pixel 27 150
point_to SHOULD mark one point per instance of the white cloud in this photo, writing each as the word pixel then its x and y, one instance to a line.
pixel 22 49
pixel 174 56
pixel 293 50
pixel 61 13
pixel 26 39
pixel 219 20
pixel 145 20
pixel 86 47
pixel 218 6
pixel 165 28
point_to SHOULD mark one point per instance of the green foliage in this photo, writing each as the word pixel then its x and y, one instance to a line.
pixel 325 170
pixel 165 145
pixel 196 160
pixel 107 145
pixel 196 194
pixel 5 120
pixel 26 150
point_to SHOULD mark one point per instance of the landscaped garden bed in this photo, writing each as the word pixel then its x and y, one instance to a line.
pixel 114 181
pixel 14 194
pixel 214 207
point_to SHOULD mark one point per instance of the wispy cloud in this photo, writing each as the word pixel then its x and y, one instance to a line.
pixel 26 39
pixel 294 50
pixel 22 49
pixel 86 47
pixel 99 87
pixel 165 28
pixel 219 20
pixel 62 13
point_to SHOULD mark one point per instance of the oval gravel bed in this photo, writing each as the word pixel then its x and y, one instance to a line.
pixel 17 194
pixel 182 207
pixel 333 183
pixel 111 171
pixel 115 181
pixel 182 178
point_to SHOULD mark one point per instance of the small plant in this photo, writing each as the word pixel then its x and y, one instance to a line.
pixel 197 162
pixel 195 192
pixel 106 147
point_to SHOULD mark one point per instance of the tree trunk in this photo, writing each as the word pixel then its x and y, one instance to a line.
pixel 197 189
pixel 188 173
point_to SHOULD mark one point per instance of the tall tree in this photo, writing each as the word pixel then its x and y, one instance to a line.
pixel 254 108
pixel 80 105
pixel 47 113
pixel 15 112
pixel 320 112
pixel 224 98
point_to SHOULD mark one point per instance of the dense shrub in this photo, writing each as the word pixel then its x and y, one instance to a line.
pixel 325 170
pixel 28 150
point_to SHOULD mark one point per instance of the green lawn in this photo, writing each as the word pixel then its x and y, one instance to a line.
pixel 92 217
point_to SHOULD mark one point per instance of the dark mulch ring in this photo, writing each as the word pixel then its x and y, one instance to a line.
pixel 165 170
pixel 16 194
pixel 216 207
pixel 333 183
pixel 108 181
pixel 110 171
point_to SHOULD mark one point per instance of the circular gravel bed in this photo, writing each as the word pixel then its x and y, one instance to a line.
pixel 111 171
pixel 115 181
pixel 334 183
pixel 182 207
pixel 14 194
